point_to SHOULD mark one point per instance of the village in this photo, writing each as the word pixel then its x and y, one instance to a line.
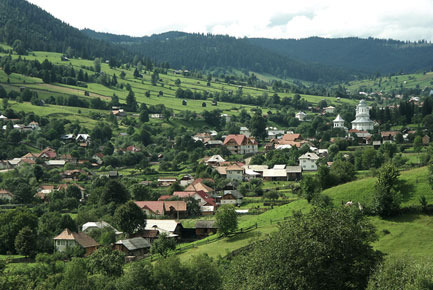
pixel 165 214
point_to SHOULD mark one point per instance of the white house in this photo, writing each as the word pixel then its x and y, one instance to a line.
pixel 300 116
pixel 274 132
pixel 308 161
pixel 329 110
pixel 245 131
pixel 241 144
pixel 226 117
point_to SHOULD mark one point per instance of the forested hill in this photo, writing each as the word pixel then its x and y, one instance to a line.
pixel 38 30
pixel 366 55
pixel 203 52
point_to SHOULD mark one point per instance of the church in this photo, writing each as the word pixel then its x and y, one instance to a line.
pixel 362 120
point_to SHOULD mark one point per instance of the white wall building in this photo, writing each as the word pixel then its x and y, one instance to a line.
pixel 308 161
pixel 300 116
pixel 339 122
pixel 362 121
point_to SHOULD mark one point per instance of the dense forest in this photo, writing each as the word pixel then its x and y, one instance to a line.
pixel 27 27
pixel 355 54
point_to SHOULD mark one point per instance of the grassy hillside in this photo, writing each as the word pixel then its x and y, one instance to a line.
pixel 140 87
pixel 408 234
pixel 387 84
pixel 414 184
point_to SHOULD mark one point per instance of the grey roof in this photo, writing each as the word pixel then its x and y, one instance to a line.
pixel 134 243
pixel 338 119
pixel 237 194
pixel 209 224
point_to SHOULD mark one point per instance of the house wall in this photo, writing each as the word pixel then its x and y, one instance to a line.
pixel 62 245
pixel 245 149
pixel 308 165
pixel 235 175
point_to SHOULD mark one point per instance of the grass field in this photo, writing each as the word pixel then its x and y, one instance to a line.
pixel 414 184
pixel 386 84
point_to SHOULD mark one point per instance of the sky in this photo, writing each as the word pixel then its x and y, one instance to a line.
pixel 403 20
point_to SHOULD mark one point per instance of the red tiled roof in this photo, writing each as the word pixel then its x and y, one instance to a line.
pixel 178 205
pixel 239 139
pixel 291 137
pixel 184 194
pixel 49 152
pixel 156 207
pixel 200 180
pixel 389 133
pixel 198 187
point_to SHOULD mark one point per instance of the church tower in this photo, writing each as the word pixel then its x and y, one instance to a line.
pixel 362 121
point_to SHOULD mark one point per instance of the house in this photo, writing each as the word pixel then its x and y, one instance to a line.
pixel 174 209
pixel 34 125
pixel 118 112
pixel 300 116
pixel 74 174
pixel 329 110
pixel 68 137
pixel 275 174
pixel 226 117
pixel 214 160
pixel 82 138
pixel 67 239
pixel 254 171
pixel 172 228
pixel 133 149
pixel 213 143
pixel 30 156
pixel 241 144
pixel 273 132
pixel 151 208
pixel 55 163
pixel 149 235
pixel 308 161
pixel 389 135
pixel 292 140
pixel 47 153
pixel 44 191
pixel 186 180
pixel 6 195
pixel 235 172
pixel 156 116
pixel 136 247
pixel 234 198
pixel 4 164
pixel 89 226
pixel 99 158
pixel 202 197
pixel 245 131
pixel 166 181
pixel 205 228
pixel 199 186
pixel 294 173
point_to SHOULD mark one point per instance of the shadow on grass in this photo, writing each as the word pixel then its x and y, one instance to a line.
pixel 404 218
pixel 243 236
pixel 406 189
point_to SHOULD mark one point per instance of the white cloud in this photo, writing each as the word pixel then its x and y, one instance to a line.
pixel 405 20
